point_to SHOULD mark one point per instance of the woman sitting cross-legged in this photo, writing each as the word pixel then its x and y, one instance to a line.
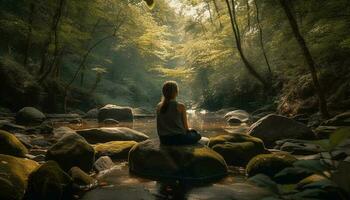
pixel 172 123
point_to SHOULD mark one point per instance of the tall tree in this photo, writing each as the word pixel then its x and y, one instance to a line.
pixel 236 33
pixel 261 37
pixel 307 55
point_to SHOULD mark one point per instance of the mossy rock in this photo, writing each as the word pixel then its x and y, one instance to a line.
pixel 80 178
pixel 107 134
pixel 237 149
pixel 186 162
pixel 292 175
pixel 49 182
pixel 10 145
pixel 269 164
pixel 14 174
pixel 114 149
pixel 72 150
pixel 29 116
pixel 118 113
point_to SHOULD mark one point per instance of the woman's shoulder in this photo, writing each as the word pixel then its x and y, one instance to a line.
pixel 181 106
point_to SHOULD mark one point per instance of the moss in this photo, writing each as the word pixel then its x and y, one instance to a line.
pixel 114 149
pixel 237 149
pixel 187 162
pixel 49 181
pixel 72 150
pixel 10 145
pixel 80 177
pixel 14 174
pixel 235 138
pixel 269 164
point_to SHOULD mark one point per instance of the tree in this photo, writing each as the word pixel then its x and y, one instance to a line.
pixel 308 57
pixel 236 33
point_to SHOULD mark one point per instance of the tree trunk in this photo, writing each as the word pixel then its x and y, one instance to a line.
pixel 307 55
pixel 218 13
pixel 53 31
pixel 236 34
pixel 248 14
pixel 29 35
pixel 261 37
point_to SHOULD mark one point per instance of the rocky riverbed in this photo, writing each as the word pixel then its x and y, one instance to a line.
pixel 116 155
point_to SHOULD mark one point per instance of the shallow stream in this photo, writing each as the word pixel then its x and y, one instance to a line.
pixel 118 183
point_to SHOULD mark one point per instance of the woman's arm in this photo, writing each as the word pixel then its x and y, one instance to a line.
pixel 182 109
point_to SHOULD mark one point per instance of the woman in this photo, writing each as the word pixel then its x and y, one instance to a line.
pixel 172 123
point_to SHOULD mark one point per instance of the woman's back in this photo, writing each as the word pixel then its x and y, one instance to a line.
pixel 170 122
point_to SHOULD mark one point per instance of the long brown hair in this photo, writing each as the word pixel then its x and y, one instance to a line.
pixel 170 90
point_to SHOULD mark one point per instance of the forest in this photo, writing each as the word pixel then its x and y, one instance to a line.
pixel 267 82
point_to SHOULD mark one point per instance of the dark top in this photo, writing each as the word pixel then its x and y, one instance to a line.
pixel 170 123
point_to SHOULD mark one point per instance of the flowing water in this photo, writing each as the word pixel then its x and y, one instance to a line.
pixel 119 184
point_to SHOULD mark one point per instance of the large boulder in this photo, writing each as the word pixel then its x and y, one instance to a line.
pixel 186 162
pixel 14 174
pixel 269 164
pixel 114 149
pixel 72 150
pixel 107 134
pixel 118 113
pixel 275 127
pixel 49 181
pixel 241 115
pixel 29 115
pixel 10 145
pixel 237 149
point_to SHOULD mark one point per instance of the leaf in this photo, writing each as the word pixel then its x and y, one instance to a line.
pixel 338 136
pixel 342 176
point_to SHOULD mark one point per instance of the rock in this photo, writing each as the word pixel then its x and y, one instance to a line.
pixel 14 174
pixel 237 149
pixel 80 178
pixel 29 115
pixel 319 187
pixel 107 134
pixel 40 142
pixel 292 175
pixel 269 164
pixel 103 163
pixel 233 121
pixel 10 145
pixel 242 115
pixel 92 114
pixel 299 147
pixel 114 149
pixel 72 150
pixel 342 119
pixel 44 128
pixel 275 127
pixel 185 162
pixel 26 140
pixel 8 126
pixel 110 122
pixel 115 112
pixel 59 132
pixel 49 181
pixel 323 132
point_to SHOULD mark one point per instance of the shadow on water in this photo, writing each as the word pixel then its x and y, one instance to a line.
pixel 118 183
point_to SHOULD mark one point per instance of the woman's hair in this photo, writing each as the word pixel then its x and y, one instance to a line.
pixel 170 91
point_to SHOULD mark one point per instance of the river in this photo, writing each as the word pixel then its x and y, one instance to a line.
pixel 117 183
